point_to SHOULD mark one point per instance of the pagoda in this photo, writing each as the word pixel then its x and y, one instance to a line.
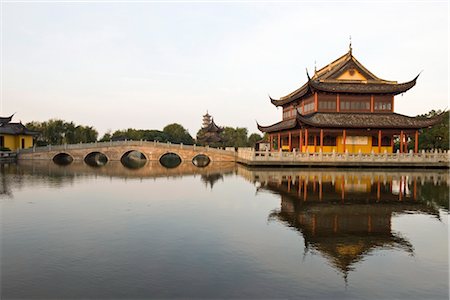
pixel 345 108
pixel 210 132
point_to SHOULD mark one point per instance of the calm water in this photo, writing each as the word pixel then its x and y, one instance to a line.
pixel 223 231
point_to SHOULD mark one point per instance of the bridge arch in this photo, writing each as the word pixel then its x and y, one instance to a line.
pixel 133 159
pixel 170 160
pixel 96 159
pixel 201 160
pixel 63 159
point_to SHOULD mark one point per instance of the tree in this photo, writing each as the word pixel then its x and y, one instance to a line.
pixel 107 136
pixel 178 134
pixel 253 138
pixel 437 136
pixel 57 132
pixel 234 137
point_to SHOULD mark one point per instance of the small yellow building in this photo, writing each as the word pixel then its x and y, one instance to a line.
pixel 15 136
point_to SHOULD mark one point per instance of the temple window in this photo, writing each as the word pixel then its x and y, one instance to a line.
pixel 288 112
pixel 354 103
pixel 385 141
pixel 327 105
pixel 309 106
pixel 329 140
pixel 382 105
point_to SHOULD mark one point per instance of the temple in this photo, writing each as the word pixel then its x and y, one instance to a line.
pixel 210 132
pixel 15 136
pixel 345 108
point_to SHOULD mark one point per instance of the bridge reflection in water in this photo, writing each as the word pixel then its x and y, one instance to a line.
pixel 346 215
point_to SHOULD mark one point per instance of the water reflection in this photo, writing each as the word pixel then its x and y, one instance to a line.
pixel 30 173
pixel 211 179
pixel 347 215
pixel 100 233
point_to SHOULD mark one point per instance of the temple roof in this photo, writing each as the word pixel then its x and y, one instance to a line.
pixel 353 120
pixel 345 75
pixel 5 120
pixel 16 129
pixel 212 127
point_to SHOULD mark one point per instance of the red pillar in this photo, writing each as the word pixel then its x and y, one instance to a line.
pixel 321 140
pixel 315 102
pixel 371 103
pixel 290 141
pixel 306 139
pixel 300 141
pixel 401 141
pixel 379 141
pixel 344 136
pixel 416 142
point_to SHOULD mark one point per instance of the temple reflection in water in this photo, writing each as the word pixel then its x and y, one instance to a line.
pixel 346 215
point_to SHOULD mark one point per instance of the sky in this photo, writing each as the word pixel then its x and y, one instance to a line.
pixel 118 65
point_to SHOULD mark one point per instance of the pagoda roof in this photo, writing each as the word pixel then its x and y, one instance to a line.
pixel 345 75
pixel 212 127
pixel 16 129
pixel 353 120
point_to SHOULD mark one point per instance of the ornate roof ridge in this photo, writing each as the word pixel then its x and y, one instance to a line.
pixel 6 120
pixel 327 75
pixel 212 127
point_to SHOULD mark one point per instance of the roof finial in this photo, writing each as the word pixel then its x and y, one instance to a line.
pixel 315 66
pixel 350 46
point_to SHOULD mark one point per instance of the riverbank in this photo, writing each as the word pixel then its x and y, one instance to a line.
pixel 8 156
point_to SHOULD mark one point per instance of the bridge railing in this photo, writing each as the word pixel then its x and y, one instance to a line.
pixel 130 143
pixel 267 156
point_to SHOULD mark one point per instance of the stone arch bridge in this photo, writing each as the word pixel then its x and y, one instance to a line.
pixel 114 151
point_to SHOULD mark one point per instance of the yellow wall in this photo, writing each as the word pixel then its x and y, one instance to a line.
pixel 355 75
pixel 339 148
pixel 14 142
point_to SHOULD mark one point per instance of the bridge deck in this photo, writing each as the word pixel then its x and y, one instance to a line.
pixel 247 156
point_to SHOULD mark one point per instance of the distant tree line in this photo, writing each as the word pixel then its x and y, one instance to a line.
pixel 174 133
pixel 56 132
pixel 437 136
